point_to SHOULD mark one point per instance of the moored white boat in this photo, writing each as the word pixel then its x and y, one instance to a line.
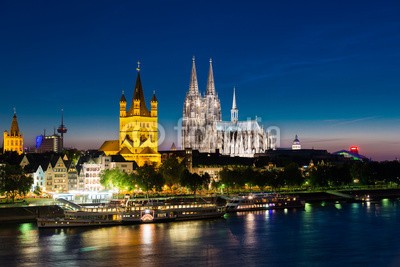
pixel 171 211
pixel 263 202
pixel 84 217
pixel 133 212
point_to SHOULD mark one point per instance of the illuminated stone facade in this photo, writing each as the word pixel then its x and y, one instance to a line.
pixel 13 140
pixel 138 129
pixel 296 143
pixel 204 130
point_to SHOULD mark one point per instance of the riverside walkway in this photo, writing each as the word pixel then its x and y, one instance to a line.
pixel 340 194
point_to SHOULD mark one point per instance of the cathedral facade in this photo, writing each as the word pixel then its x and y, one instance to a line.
pixel 138 129
pixel 13 140
pixel 204 130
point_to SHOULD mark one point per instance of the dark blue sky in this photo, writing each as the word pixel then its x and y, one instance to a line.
pixel 328 71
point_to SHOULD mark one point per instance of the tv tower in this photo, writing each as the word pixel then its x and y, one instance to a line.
pixel 62 130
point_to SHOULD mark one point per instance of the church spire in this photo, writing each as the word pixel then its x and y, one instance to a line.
pixel 210 82
pixel 234 99
pixel 194 85
pixel 138 95
pixel 123 99
pixel 14 130
pixel 234 110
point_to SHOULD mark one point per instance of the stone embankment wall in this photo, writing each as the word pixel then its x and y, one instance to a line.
pixel 29 213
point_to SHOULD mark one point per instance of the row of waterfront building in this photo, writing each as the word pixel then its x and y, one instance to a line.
pixel 53 172
pixel 56 173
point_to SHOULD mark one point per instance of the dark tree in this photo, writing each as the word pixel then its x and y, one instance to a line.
pixel 116 178
pixel 275 178
pixel 340 175
pixel 13 181
pixel 320 176
pixel 148 178
pixel 226 178
pixel 365 172
pixel 292 175
pixel 171 170
pixel 259 179
pixel 389 171
pixel 194 181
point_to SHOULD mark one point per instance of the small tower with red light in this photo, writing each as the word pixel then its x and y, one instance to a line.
pixel 62 130
pixel 354 149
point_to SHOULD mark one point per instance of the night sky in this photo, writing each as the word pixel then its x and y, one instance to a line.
pixel 328 71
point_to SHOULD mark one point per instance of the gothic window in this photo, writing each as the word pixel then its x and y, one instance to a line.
pixel 198 136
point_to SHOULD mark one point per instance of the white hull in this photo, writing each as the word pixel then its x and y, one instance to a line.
pixel 58 223
pixel 263 203
pixel 134 214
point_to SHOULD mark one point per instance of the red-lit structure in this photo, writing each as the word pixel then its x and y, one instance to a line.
pixel 354 149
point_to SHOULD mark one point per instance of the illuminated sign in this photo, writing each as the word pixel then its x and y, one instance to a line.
pixel 354 149
pixel 39 140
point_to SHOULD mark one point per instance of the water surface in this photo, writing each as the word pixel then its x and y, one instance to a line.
pixel 324 234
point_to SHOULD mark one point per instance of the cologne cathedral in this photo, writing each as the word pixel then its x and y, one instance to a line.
pixel 204 130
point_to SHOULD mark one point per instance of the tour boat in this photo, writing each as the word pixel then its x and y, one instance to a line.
pixel 263 202
pixel 94 216
pixel 170 211
pixel 133 212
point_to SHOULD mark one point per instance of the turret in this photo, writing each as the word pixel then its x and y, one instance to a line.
pixel 153 104
pixel 234 110
pixel 122 105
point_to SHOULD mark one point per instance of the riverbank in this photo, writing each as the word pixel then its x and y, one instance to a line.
pixel 21 214
pixel 28 213
pixel 374 194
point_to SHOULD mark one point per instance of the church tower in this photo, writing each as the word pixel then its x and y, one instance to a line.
pixel 122 105
pixel 154 105
pixel 13 141
pixel 212 107
pixel 138 129
pixel 234 110
pixel 193 117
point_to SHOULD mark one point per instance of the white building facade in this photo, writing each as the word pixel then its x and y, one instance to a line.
pixel 204 130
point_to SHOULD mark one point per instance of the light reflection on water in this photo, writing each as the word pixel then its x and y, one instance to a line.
pixel 330 235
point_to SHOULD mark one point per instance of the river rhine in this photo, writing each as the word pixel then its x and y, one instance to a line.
pixel 324 234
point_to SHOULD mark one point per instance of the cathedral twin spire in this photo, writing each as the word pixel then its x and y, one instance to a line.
pixel 194 85
pixel 204 130
pixel 210 94
pixel 210 83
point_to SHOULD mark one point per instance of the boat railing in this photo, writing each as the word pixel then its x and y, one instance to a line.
pixel 67 205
